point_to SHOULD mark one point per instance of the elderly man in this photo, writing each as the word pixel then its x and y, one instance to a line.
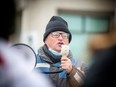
pixel 61 70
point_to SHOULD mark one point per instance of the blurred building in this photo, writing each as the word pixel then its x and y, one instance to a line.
pixel 85 18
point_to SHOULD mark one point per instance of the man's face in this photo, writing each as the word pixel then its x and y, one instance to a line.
pixel 56 39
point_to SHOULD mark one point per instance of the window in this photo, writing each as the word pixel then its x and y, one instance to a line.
pixel 96 24
pixel 86 24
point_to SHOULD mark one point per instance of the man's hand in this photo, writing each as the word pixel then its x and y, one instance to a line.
pixel 66 64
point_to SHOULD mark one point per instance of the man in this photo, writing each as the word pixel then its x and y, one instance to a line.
pixel 60 69
pixel 13 69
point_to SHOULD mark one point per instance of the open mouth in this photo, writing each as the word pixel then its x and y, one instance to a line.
pixel 60 44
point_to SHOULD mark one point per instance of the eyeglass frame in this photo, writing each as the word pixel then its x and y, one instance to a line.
pixel 58 35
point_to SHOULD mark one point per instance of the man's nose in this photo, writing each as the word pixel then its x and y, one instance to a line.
pixel 60 37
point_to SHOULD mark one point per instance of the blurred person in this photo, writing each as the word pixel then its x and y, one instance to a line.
pixel 103 40
pixel 13 69
pixel 61 70
pixel 102 70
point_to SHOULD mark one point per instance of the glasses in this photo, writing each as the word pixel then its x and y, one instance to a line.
pixel 57 34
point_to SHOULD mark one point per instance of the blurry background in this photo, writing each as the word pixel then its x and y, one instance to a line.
pixel 86 18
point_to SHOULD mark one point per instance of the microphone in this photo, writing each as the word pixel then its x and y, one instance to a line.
pixel 65 50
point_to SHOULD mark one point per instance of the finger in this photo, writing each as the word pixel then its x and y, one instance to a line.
pixel 64 59
pixel 63 62
pixel 64 66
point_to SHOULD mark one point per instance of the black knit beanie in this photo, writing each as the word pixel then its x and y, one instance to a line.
pixel 56 23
